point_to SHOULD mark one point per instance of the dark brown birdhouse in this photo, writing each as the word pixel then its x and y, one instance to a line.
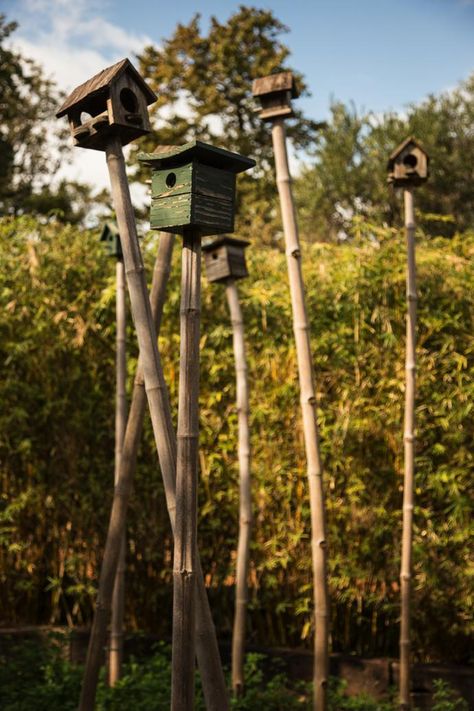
pixel 275 93
pixel 111 238
pixel 224 258
pixel 408 164
pixel 113 102
pixel 194 186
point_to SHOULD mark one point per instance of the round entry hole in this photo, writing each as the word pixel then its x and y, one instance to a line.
pixel 129 100
pixel 171 180
pixel 410 160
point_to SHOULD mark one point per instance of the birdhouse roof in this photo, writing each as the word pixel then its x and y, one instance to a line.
pixel 101 82
pixel 411 140
pixel 208 246
pixel 272 83
pixel 173 156
pixel 109 228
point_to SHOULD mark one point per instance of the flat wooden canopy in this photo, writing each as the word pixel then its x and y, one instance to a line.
pixel 172 156
pixel 100 83
pixel 211 244
pixel 283 81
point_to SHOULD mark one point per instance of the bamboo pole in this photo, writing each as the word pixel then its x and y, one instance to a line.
pixel 185 543
pixel 158 399
pixel 118 598
pixel 409 447
pixel 308 408
pixel 245 499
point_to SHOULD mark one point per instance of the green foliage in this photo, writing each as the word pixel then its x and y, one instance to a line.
pixel 347 176
pixel 56 440
pixel 204 87
pixel 444 699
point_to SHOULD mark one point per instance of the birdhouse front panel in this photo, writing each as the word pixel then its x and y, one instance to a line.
pixel 408 164
pixel 193 194
pixel 225 258
pixel 275 93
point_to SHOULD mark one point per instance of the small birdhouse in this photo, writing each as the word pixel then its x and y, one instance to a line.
pixel 194 186
pixel 408 164
pixel 275 93
pixel 113 102
pixel 224 258
pixel 111 238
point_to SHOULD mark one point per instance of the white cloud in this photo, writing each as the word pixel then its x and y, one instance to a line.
pixel 73 41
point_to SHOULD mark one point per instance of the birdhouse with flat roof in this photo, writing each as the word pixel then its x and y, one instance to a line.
pixel 408 164
pixel 224 258
pixel 275 93
pixel 194 186
pixel 111 238
pixel 112 103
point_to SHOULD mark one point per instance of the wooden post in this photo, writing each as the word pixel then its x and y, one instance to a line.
pixel 308 407
pixel 118 599
pixel 409 447
pixel 184 565
pixel 245 499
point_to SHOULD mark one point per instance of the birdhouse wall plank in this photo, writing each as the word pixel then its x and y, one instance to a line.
pixel 212 215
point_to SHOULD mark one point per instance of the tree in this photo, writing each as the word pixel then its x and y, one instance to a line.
pixel 203 83
pixel 347 176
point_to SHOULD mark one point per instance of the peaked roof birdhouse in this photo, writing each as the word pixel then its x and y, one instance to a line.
pixel 408 164
pixel 224 258
pixel 275 93
pixel 194 186
pixel 111 238
pixel 113 102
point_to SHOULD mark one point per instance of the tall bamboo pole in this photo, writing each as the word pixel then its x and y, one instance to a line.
pixel 245 499
pixel 308 408
pixel 185 543
pixel 118 598
pixel 409 447
pixel 158 399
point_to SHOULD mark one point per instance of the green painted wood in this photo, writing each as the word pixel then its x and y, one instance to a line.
pixel 212 215
pixel 174 211
pixel 172 181
pixel 214 182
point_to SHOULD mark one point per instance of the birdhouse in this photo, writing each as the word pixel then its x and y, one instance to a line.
pixel 111 238
pixel 194 186
pixel 114 102
pixel 224 258
pixel 275 93
pixel 408 164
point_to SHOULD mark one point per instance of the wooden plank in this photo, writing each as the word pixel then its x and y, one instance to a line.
pixel 175 181
pixel 214 182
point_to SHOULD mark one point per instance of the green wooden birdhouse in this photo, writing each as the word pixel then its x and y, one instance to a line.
pixel 111 239
pixel 275 93
pixel 194 186
pixel 408 164
pixel 224 258
pixel 113 102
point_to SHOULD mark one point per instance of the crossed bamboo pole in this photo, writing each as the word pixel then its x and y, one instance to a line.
pixel 156 392
pixel 118 598
pixel 308 408
pixel 409 455
pixel 245 498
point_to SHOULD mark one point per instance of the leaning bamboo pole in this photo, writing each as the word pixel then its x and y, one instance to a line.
pixel 409 450
pixel 118 598
pixel 308 408
pixel 245 500
pixel 158 399
pixel 185 538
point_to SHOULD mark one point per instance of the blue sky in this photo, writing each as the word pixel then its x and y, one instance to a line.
pixel 381 54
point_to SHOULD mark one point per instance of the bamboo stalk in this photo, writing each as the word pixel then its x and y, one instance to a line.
pixel 185 539
pixel 118 598
pixel 308 408
pixel 409 447
pixel 245 499
pixel 156 393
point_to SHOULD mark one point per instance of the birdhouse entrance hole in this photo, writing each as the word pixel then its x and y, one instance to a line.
pixel 171 180
pixel 410 160
pixel 129 100
pixel 215 255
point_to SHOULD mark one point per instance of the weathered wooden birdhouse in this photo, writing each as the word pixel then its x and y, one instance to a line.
pixel 224 258
pixel 113 102
pixel 408 164
pixel 194 186
pixel 111 239
pixel 275 93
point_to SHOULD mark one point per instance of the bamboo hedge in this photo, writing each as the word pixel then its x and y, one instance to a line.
pixel 56 440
